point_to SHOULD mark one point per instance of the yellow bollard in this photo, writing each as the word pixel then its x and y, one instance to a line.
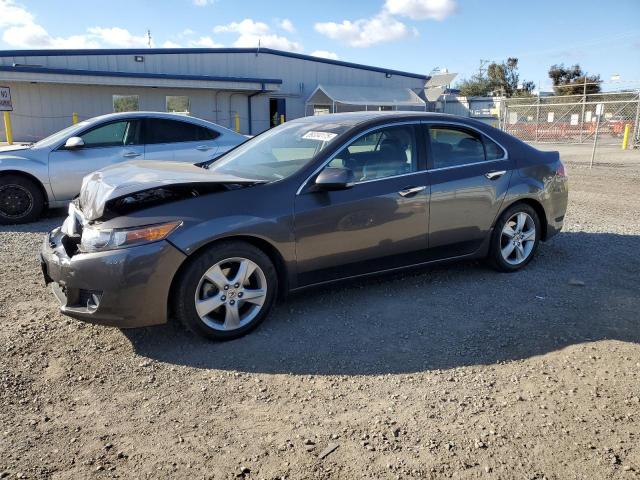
pixel 625 137
pixel 74 117
pixel 237 122
pixel 281 119
pixel 7 127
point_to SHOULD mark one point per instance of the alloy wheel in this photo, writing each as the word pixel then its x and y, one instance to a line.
pixel 517 239
pixel 231 294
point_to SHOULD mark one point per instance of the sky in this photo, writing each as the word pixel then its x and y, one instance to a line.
pixel 411 35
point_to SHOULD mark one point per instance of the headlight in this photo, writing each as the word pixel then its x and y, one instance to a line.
pixel 96 239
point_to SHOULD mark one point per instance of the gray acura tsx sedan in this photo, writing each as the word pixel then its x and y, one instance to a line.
pixel 314 200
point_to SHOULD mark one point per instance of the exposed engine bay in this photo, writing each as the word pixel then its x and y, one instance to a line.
pixel 161 195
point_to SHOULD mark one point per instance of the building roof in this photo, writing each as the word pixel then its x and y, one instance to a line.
pixel 379 96
pixel 184 51
pixel 108 73
pixel 20 73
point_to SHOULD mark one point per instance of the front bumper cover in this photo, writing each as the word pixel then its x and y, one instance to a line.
pixel 124 288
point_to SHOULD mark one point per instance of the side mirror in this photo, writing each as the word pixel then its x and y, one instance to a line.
pixel 73 143
pixel 334 179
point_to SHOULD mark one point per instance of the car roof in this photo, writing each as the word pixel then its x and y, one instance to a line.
pixel 144 114
pixel 358 118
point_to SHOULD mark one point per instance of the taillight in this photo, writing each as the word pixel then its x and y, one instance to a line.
pixel 560 170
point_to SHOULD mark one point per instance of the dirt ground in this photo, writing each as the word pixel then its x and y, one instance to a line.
pixel 450 372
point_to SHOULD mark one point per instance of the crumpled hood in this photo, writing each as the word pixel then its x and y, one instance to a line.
pixel 122 179
pixel 12 148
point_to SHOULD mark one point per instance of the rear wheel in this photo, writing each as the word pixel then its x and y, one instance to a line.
pixel 21 200
pixel 515 238
pixel 227 291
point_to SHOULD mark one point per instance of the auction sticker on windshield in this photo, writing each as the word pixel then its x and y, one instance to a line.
pixel 320 136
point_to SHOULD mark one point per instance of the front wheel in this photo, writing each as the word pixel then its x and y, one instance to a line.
pixel 226 291
pixel 515 238
pixel 21 200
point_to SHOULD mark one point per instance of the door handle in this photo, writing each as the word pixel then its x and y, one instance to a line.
pixel 203 148
pixel 409 191
pixel 495 175
pixel 131 154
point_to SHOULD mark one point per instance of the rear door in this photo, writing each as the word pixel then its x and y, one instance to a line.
pixel 469 175
pixel 104 145
pixel 167 139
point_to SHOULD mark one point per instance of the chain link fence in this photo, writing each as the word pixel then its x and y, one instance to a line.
pixel 573 118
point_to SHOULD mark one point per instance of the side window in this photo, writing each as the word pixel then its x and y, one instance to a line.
pixel 452 147
pixel 383 153
pixel 172 131
pixel 109 135
pixel 207 134
pixel 493 150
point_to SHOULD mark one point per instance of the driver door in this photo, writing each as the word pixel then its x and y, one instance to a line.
pixel 104 145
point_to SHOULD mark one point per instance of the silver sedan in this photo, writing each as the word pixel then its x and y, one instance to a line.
pixel 49 172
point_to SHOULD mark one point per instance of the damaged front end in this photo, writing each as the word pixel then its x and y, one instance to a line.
pixel 107 266
pixel 157 196
pixel 124 188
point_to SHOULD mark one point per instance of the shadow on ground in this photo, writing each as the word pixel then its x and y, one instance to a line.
pixel 436 318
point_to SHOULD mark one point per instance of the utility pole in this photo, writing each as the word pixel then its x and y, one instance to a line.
pixel 149 38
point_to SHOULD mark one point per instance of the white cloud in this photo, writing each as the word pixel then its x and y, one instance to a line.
pixel 203 3
pixel 325 54
pixel 245 27
pixel 287 25
pixel 32 35
pixel 270 41
pixel 421 9
pixel 117 37
pixel 170 44
pixel 12 14
pixel 206 42
pixel 384 26
pixel 365 31
pixel 251 33
pixel 24 32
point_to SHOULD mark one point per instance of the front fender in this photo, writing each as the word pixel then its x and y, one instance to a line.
pixel 276 232
pixel 36 169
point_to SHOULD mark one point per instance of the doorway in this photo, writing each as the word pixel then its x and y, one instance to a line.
pixel 277 109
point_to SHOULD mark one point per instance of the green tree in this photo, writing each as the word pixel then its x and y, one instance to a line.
pixel 500 79
pixel 476 86
pixel 571 80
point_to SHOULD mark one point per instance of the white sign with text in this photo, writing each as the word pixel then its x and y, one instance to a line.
pixel 5 100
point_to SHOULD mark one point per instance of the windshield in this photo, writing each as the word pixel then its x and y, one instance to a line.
pixel 61 135
pixel 280 152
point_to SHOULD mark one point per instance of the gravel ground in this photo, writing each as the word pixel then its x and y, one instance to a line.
pixel 450 372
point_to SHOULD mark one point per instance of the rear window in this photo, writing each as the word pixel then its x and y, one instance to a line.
pixel 173 131
pixel 454 147
pixel 457 146
pixel 494 151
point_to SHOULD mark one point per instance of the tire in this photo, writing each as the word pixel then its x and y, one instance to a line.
pixel 21 200
pixel 234 315
pixel 522 246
